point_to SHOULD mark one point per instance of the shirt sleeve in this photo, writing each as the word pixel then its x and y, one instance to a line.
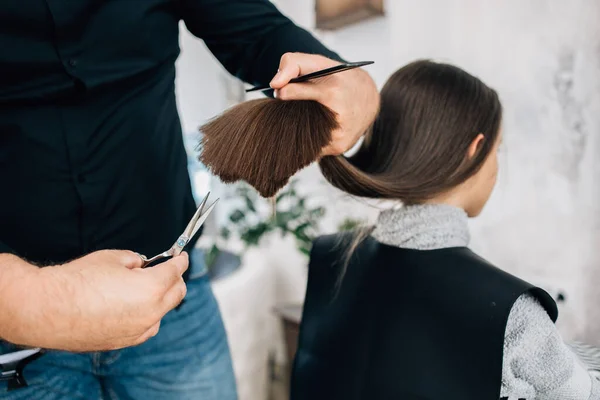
pixel 4 248
pixel 537 363
pixel 248 36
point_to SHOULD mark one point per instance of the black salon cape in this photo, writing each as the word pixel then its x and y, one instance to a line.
pixel 405 324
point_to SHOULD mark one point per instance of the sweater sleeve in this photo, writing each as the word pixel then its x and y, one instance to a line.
pixel 537 363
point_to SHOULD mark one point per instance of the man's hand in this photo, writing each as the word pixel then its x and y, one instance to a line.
pixel 351 94
pixel 102 301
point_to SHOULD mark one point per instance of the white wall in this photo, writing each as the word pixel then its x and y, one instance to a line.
pixel 543 57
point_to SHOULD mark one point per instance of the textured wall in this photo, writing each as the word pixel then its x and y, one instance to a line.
pixel 543 57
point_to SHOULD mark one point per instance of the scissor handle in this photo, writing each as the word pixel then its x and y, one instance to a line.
pixel 149 261
pixel 178 246
pixel 175 250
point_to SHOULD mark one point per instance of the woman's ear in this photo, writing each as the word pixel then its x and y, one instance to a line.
pixel 475 145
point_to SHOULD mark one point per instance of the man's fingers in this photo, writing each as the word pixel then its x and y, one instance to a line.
pixel 170 271
pixel 153 331
pixel 182 262
pixel 174 295
pixel 302 91
pixel 293 65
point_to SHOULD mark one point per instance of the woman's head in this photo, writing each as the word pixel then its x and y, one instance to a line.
pixel 434 140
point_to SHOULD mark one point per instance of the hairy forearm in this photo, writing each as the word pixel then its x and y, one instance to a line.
pixel 30 303
pixel 17 292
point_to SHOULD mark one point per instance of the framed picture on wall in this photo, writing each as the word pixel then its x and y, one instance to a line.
pixel 335 14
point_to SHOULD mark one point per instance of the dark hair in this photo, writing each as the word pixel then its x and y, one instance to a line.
pixel 265 142
pixel 417 147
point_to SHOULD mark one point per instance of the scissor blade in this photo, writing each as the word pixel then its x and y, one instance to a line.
pixel 190 226
pixel 187 236
pixel 203 218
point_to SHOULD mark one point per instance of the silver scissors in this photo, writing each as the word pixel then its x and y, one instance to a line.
pixel 192 228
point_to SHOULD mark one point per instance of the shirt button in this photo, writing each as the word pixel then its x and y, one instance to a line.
pixel 73 62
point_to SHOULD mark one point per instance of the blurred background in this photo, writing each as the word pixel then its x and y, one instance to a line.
pixel 542 222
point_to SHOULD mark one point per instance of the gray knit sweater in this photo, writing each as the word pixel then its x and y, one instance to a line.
pixel 536 362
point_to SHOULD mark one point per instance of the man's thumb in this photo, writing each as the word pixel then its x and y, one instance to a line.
pixel 131 259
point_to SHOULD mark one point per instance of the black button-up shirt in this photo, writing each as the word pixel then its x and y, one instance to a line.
pixel 91 149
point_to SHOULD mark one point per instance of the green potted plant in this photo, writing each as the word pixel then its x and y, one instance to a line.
pixel 249 223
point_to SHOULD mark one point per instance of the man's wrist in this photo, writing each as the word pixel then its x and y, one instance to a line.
pixel 31 303
pixel 18 289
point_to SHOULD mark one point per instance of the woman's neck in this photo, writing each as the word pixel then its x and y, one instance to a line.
pixel 423 227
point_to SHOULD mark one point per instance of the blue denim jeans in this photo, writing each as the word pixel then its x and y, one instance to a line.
pixel 188 359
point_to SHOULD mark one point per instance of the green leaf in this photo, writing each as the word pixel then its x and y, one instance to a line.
pixel 303 237
pixel 304 250
pixel 211 255
pixel 236 216
pixel 225 233
pixel 250 204
pixel 302 227
pixel 281 197
pixel 283 217
pixel 252 235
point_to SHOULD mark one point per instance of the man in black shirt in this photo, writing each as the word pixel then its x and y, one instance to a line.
pixel 91 158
